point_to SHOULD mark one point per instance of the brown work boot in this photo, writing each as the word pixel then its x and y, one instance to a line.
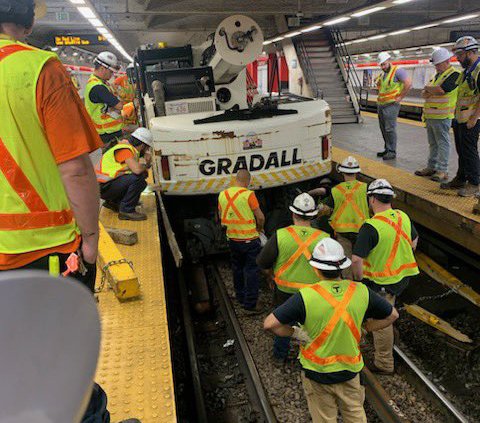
pixel 374 369
pixel 439 177
pixel 455 183
pixel 425 172
pixel 132 216
pixel 469 190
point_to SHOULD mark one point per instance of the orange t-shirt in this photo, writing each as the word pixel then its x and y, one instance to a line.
pixel 122 155
pixel 70 133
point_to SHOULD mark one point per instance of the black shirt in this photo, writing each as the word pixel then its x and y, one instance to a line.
pixel 101 94
pixel 450 83
pixel 293 310
pixel 268 256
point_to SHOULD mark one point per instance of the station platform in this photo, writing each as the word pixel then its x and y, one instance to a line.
pixel 135 367
pixel 442 211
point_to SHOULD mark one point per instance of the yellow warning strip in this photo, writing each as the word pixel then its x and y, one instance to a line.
pixel 402 120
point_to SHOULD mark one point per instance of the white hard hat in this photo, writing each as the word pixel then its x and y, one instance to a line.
pixel 304 205
pixel 349 165
pixel 107 60
pixel 466 43
pixel 383 57
pixel 130 66
pixel 440 55
pixel 50 337
pixel 144 135
pixel 328 254
pixel 380 186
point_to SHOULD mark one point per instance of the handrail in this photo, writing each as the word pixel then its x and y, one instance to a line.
pixel 306 66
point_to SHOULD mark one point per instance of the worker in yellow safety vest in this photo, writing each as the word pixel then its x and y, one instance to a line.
pixel 122 173
pixel 383 258
pixel 243 219
pixel 393 85
pixel 288 253
pixel 331 313
pixel 466 125
pixel 102 105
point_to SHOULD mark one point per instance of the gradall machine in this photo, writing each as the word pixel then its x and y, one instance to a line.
pixel 207 125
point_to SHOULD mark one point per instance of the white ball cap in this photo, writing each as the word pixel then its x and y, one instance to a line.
pixel 144 135
pixel 380 186
pixel 304 205
pixel 328 254
pixel 107 60
pixel 440 55
pixel 349 165
pixel 383 57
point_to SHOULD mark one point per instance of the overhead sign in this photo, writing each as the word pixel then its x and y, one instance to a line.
pixel 80 40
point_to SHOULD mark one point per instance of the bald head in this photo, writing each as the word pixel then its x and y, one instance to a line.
pixel 243 178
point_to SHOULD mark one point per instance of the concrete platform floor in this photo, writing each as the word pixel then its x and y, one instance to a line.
pixel 412 149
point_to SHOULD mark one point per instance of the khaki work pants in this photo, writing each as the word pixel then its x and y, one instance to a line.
pixel 347 248
pixel 325 400
pixel 383 342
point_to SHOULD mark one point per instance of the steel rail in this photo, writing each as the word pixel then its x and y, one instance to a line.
pixel 246 358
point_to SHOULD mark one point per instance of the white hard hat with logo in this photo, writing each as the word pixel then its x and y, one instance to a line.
pixel 380 186
pixel 144 135
pixel 440 55
pixel 304 205
pixel 328 254
pixel 466 43
pixel 107 60
pixel 383 57
pixel 349 165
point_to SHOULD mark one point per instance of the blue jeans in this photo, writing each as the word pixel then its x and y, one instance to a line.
pixel 387 118
pixel 124 191
pixel 245 271
pixel 466 143
pixel 439 141
pixel 281 344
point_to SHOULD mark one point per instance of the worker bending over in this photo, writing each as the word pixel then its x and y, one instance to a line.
pixel 287 252
pixel 102 105
pixel 331 313
pixel 240 213
pixel 122 174
pixel 383 258
pixel 393 85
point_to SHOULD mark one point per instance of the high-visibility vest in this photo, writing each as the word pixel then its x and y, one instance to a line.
pixel 388 89
pixel 350 207
pixel 35 213
pixel 292 270
pixel 441 106
pixel 108 168
pixel 104 123
pixel 468 95
pixel 123 89
pixel 236 213
pixel 334 316
pixel 392 259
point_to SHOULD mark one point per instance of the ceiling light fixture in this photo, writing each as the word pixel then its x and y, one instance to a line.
pixel 401 1
pixel 292 34
pixel 311 28
pixel 86 12
pixel 461 18
pixel 425 26
pixel 368 11
pixel 77 1
pixel 402 31
pixel 337 20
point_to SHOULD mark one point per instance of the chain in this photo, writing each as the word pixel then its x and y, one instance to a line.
pixel 106 267
pixel 433 297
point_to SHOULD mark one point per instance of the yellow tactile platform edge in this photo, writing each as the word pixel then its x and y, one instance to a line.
pixel 135 366
pixel 412 184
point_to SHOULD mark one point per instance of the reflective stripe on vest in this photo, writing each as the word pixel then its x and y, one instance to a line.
pixel 236 214
pixel 441 106
pixel 350 207
pixel 336 344
pixel 392 258
pixel 103 122
pixel 108 168
pixel 295 272
pixel 35 212
pixel 388 89
pixel 468 97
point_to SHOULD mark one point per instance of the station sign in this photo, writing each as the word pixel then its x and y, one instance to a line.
pixel 80 40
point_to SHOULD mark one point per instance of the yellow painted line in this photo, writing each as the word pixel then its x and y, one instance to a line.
pixel 304 171
pixel 275 176
pixel 295 173
pixel 402 120
pixel 198 185
pixel 187 185
pixel 209 184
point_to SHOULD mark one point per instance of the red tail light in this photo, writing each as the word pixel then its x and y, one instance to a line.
pixel 165 168
pixel 325 147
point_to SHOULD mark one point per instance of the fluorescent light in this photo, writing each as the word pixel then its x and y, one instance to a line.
pixel 360 40
pixel 402 31
pixel 86 12
pixel 368 11
pixel 266 43
pixel 461 18
pixel 425 26
pixel 396 52
pixel 311 28
pixel 401 1
pixel 103 31
pixel 77 1
pixel 377 37
pixel 277 39
pixel 95 22
pixel 292 34
pixel 337 20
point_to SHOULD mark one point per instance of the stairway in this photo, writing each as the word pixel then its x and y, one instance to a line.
pixel 324 75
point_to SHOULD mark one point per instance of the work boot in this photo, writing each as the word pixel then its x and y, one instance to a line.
pixel 111 206
pixel 382 153
pixel 469 190
pixel 132 216
pixel 439 176
pixel 374 369
pixel 425 172
pixel 389 156
pixel 455 183
pixel 258 309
